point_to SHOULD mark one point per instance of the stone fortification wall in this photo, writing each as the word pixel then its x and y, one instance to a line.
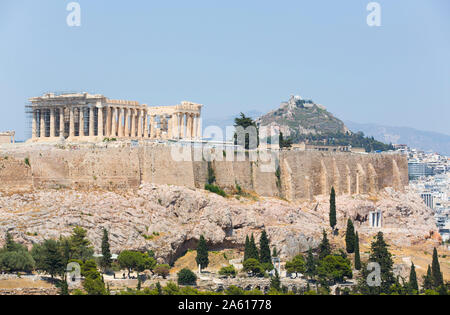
pixel 298 175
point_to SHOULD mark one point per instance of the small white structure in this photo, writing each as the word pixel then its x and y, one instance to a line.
pixel 376 219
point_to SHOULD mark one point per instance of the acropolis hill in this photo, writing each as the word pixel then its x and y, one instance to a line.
pixel 133 186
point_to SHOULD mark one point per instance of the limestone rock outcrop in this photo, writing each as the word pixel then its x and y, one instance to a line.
pixel 170 219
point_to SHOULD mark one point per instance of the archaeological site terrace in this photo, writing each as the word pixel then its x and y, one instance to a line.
pixel 83 117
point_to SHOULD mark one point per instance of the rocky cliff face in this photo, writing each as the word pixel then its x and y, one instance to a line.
pixel 298 117
pixel 170 219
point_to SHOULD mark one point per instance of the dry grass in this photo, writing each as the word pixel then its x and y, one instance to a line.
pixel 24 283
pixel 217 260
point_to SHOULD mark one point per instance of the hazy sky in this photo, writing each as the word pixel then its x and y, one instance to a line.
pixel 233 56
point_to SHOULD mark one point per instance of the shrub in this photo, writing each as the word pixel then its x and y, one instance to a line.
pixel 186 277
pixel 254 266
pixel 162 270
pixel 16 261
pixel 229 271
pixel 215 189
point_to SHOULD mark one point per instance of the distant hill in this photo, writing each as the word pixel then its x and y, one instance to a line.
pixel 303 117
pixel 423 140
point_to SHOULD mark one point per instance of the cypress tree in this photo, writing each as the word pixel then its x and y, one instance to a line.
pixel 381 255
pixel 106 252
pixel 357 255
pixel 350 237
pixel 264 249
pixel 247 248
pixel 274 252
pixel 202 253
pixel 333 220
pixel 275 282
pixel 324 247
pixel 253 253
pixel 9 244
pixel 436 271
pixel 413 279
pixel 310 265
pixel 428 280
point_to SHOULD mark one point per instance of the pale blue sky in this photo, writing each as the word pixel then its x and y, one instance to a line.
pixel 234 56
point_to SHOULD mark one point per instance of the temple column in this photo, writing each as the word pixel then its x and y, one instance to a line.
pixel 100 131
pixel 121 122
pixel 108 122
pixel 145 124
pixel 61 122
pixel 81 128
pixel 195 127
pixel 91 121
pixel 114 122
pixel 139 122
pixel 72 122
pixel 199 127
pixel 34 125
pixel 152 127
pixel 127 122
pixel 41 123
pixel 52 123
pixel 169 128
pixel 133 123
pixel 183 125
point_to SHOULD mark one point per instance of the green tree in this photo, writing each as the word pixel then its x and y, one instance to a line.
pixel 310 268
pixel 413 279
pixel 246 122
pixel 16 261
pixel 53 262
pixel 186 277
pixel 428 280
pixel 296 265
pixel 284 143
pixel 202 253
pixel 436 271
pixel 253 266
pixel 253 250
pixel 357 254
pixel 275 282
pixel 80 246
pixel 264 249
pixel 324 247
pixel 334 268
pixel 333 220
pixel 229 271
pixel 247 248
pixel 381 255
pixel 128 260
pixel 106 260
pixel 350 237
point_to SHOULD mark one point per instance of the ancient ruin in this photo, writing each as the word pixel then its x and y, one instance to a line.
pixel 83 117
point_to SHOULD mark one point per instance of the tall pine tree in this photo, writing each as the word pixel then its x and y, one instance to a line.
pixel 333 220
pixel 264 248
pixel 106 260
pixel 324 247
pixel 428 280
pixel 381 255
pixel 436 271
pixel 202 253
pixel 247 248
pixel 253 252
pixel 357 254
pixel 413 279
pixel 350 237
pixel 310 265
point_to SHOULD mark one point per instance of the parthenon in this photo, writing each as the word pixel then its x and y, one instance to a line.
pixel 90 118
